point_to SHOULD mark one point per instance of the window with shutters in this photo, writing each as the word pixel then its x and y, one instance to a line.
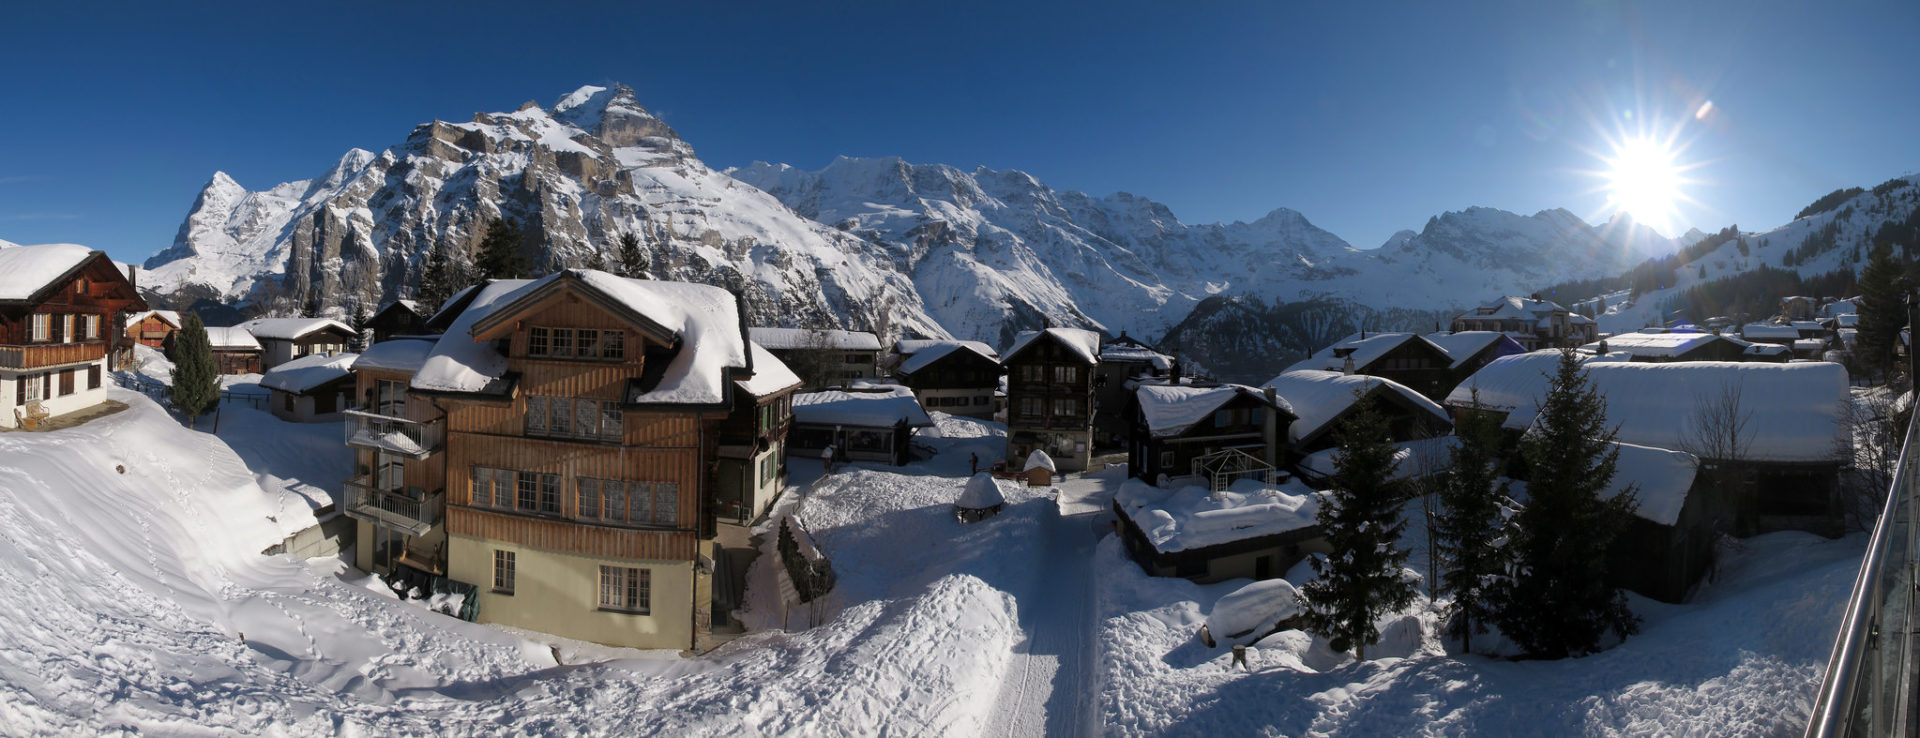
pixel 42 327
pixel 93 327
pixel 66 328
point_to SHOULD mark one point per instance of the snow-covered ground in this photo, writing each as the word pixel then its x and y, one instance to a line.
pixel 138 601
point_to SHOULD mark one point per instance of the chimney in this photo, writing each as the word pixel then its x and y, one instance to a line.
pixel 1346 365
pixel 133 276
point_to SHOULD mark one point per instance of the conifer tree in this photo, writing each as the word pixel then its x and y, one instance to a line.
pixel 1557 603
pixel 361 338
pixel 1882 313
pixel 436 280
pixel 196 382
pixel 633 261
pixel 1468 526
pixel 1361 579
pixel 595 261
pixel 500 254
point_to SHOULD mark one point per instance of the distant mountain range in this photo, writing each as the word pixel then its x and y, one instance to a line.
pixel 870 244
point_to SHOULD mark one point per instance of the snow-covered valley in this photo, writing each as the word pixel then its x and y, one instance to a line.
pixel 141 603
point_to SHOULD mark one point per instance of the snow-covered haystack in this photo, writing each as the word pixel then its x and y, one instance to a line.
pixel 1252 612
pixel 981 499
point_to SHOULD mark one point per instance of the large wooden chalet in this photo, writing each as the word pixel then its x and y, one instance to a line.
pixel 153 328
pixel 60 306
pixel 566 433
pixel 1050 403
pixel 1533 322
pixel 1407 358
pixel 953 377
pixel 1177 425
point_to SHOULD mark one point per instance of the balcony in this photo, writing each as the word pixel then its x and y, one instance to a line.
pixel 51 354
pixel 396 510
pixel 414 439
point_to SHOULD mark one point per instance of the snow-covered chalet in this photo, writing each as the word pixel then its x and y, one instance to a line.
pixel 61 309
pixel 1533 322
pixel 1050 402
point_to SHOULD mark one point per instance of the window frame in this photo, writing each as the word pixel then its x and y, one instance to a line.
pixel 626 589
pixel 504 565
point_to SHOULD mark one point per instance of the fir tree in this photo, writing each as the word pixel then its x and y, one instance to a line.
pixel 1558 602
pixel 500 254
pixel 595 261
pixel 436 280
pixel 633 261
pixel 1882 313
pixel 196 382
pixel 1467 529
pixel 1361 580
pixel 361 338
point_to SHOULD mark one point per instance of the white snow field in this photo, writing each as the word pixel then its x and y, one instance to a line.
pixel 139 602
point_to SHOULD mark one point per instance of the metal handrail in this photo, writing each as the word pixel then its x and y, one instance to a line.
pixel 1839 708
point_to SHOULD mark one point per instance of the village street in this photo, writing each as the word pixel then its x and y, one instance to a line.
pixel 1050 685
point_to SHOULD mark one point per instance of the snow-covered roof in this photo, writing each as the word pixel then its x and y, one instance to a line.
pixel 1656 345
pixel 1809 325
pixel 460 364
pixel 1514 381
pixel 1809 344
pixel 1766 331
pixel 1846 320
pixel 231 338
pixel 1194 517
pixel 1319 397
pixel 770 374
pixel 1794 411
pixel 172 317
pixel 788 339
pixel 864 409
pixel 308 372
pixel 25 270
pixel 1366 348
pixel 1849 306
pixel 1516 307
pixel 1171 409
pixel 911 346
pixel 398 355
pixel 925 356
pixel 1040 460
pixel 1082 342
pixel 1130 352
pixel 1412 459
pixel 292 329
pixel 981 492
pixel 1463 345
pixel 1766 349
pixel 455 302
pixel 1663 479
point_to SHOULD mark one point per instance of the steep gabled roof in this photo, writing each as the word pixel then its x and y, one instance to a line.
pixel 28 274
pixel 171 318
pixel 1319 398
pixel 926 356
pixel 1365 348
pixel 231 338
pixel 1463 345
pixel 1084 343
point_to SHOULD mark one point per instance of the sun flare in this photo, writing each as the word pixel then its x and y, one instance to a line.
pixel 1643 180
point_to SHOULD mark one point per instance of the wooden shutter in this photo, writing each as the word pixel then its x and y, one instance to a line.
pixel 66 382
pixel 93 376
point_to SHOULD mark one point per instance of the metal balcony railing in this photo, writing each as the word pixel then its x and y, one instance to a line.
pixel 396 510
pixel 1870 681
pixel 415 439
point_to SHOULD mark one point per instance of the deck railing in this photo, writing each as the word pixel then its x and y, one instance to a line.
pixel 51 354
pixel 396 510
pixel 416 439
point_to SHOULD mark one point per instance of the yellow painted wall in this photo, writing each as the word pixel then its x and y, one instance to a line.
pixel 560 593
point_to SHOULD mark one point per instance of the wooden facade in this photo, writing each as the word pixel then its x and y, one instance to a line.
pixel 961 382
pixel 54 343
pixel 1246 421
pixel 1050 402
pixel 152 331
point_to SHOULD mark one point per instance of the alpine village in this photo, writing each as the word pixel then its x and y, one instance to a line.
pixel 588 443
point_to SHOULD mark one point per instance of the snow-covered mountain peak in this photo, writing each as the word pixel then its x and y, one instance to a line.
pixel 613 115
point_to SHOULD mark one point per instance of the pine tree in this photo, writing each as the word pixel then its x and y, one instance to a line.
pixel 633 261
pixel 1558 602
pixel 436 280
pixel 595 261
pixel 361 337
pixel 1882 313
pixel 1361 580
pixel 1468 526
pixel 500 254
pixel 196 382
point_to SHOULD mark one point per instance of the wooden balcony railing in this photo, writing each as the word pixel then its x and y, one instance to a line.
pixel 51 354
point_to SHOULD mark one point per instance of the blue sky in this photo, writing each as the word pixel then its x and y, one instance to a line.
pixel 1366 117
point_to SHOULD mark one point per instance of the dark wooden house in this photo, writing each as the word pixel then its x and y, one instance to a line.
pixel 152 328
pixel 1050 398
pixel 953 377
pixel 1406 358
pixel 1321 399
pixel 62 309
pixel 397 318
pixel 1122 360
pixel 1176 425
pixel 235 351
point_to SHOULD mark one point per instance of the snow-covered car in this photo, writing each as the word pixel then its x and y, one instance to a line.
pixel 1251 613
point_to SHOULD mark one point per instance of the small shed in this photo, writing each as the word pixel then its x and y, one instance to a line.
pixel 234 350
pixel 860 426
pixel 1040 469
pixel 1252 530
pixel 980 499
pixel 311 388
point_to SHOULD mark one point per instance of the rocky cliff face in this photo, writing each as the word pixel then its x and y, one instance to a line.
pixel 574 176
pixel 864 243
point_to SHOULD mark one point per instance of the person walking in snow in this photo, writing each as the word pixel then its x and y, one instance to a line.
pixel 973 464
pixel 826 458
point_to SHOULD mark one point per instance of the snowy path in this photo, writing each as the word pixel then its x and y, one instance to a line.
pixel 1047 684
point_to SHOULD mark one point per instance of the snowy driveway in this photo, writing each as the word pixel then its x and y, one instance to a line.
pixel 1049 682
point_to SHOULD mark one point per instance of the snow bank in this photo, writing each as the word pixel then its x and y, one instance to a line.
pixel 1253 610
pixel 982 491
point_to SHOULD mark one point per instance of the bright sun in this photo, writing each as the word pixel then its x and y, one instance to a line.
pixel 1644 181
